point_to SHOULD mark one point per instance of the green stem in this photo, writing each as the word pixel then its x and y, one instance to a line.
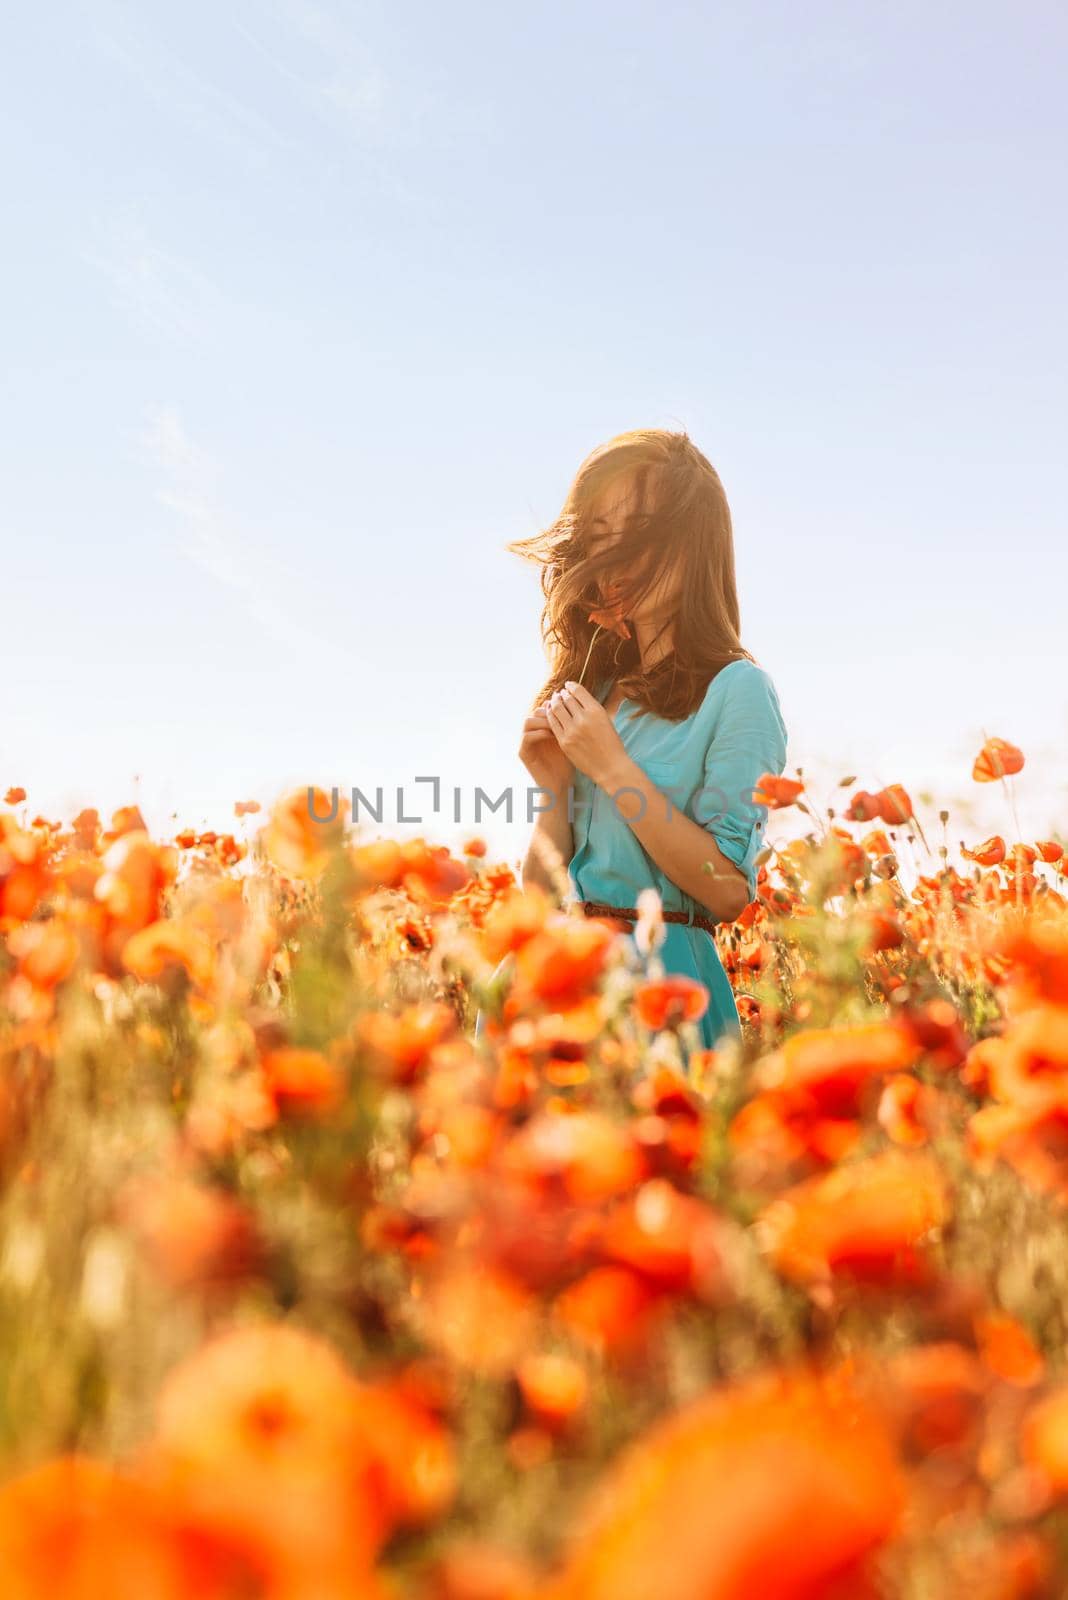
pixel 589 652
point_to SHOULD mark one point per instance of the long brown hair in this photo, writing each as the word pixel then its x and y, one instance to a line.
pixel 682 517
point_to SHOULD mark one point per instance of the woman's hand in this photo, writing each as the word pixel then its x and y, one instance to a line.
pixel 542 756
pixel 585 732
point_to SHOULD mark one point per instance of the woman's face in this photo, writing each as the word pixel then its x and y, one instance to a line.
pixel 606 523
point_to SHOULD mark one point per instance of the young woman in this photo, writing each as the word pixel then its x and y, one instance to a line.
pixel 654 717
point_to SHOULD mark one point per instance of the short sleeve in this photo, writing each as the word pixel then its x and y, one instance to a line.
pixel 748 739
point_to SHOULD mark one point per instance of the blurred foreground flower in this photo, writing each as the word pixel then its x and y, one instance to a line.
pixel 780 1488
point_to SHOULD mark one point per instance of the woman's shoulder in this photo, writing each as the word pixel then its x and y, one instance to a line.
pixel 743 691
pixel 742 677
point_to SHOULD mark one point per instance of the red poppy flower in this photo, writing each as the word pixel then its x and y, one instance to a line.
pixel 668 1001
pixel 607 617
pixel 997 759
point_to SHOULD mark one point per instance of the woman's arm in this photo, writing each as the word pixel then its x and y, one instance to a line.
pixel 552 844
pixel 684 851
pixel 712 861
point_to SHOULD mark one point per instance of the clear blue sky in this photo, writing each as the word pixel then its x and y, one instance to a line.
pixel 309 308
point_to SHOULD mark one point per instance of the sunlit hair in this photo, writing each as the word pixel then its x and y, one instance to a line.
pixel 682 518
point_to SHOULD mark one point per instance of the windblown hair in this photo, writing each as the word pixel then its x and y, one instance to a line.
pixel 682 517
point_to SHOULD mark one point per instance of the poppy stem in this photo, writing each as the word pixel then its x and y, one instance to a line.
pixel 1009 793
pixel 589 652
pixel 914 819
pixel 1011 797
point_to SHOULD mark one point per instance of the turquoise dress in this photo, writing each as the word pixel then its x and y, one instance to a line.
pixel 707 765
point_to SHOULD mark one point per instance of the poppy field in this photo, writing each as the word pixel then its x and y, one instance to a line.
pixel 307 1292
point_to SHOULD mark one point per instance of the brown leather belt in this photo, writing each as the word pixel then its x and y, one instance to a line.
pixel 594 908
